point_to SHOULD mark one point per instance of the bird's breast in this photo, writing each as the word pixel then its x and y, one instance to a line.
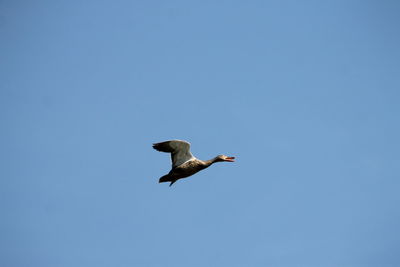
pixel 188 168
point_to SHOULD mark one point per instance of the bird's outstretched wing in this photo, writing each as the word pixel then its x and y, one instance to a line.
pixel 180 151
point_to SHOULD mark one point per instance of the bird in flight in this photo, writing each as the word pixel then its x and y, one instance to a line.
pixel 184 164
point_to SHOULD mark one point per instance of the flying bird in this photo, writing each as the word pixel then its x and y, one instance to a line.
pixel 184 164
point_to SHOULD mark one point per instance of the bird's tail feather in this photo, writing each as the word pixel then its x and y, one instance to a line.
pixel 167 178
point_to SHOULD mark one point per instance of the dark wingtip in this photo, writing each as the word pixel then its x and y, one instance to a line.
pixel 155 146
pixel 162 147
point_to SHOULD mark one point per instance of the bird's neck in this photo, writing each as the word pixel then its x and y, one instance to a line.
pixel 209 162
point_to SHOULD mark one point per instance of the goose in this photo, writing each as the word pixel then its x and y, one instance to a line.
pixel 184 164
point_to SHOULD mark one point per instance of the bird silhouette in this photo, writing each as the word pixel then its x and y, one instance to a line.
pixel 184 164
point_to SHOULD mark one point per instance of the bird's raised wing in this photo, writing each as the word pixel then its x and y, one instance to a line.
pixel 180 151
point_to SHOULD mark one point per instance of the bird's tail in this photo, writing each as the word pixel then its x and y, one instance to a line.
pixel 167 178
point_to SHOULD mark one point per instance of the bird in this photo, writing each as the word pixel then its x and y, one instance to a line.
pixel 184 164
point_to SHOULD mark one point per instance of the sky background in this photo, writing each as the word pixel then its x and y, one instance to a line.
pixel 305 94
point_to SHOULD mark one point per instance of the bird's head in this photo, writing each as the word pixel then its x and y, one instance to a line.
pixel 221 158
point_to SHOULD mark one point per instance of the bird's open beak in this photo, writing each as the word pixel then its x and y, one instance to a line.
pixel 230 159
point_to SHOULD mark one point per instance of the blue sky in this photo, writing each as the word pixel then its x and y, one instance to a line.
pixel 304 93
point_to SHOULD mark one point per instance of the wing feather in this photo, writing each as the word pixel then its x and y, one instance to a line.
pixel 180 151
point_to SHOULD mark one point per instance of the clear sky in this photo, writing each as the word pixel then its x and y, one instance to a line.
pixel 304 93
